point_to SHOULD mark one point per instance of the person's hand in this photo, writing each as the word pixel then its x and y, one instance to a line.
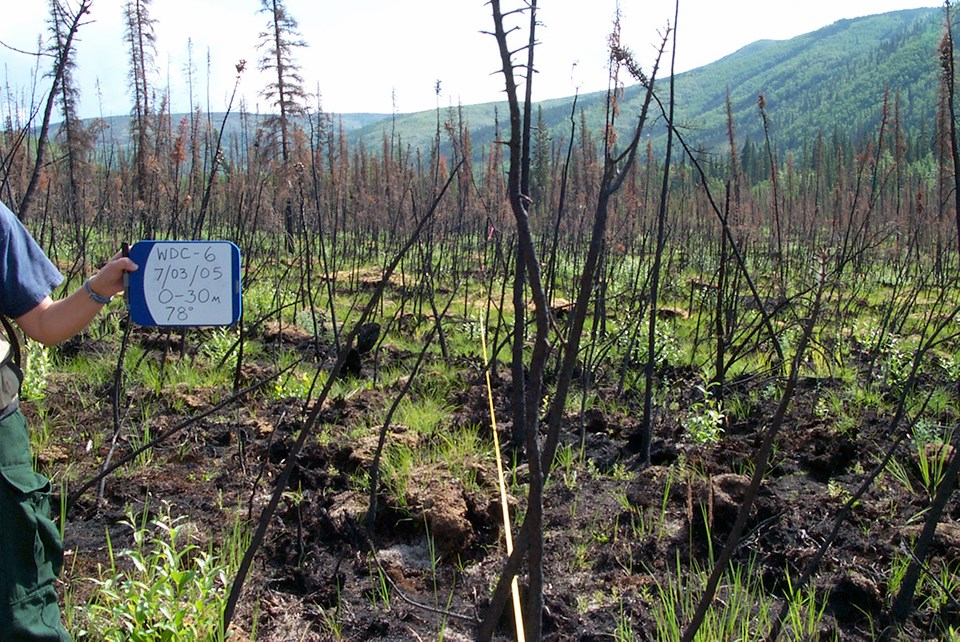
pixel 109 280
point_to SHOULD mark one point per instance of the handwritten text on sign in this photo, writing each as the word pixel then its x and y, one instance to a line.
pixel 189 283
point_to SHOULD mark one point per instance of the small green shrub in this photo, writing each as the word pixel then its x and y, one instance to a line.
pixel 220 347
pixel 703 421
pixel 172 591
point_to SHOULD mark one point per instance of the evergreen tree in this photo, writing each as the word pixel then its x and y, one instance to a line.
pixel 541 163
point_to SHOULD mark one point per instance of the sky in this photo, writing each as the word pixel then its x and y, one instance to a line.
pixel 387 56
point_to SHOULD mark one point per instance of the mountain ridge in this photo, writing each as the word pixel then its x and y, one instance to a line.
pixel 826 82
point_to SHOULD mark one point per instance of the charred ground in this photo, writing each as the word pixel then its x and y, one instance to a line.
pixel 617 533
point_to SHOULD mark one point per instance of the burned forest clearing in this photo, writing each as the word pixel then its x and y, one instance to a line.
pixel 541 386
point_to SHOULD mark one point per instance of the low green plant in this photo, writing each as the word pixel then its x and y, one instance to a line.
pixel 932 463
pixel 581 554
pixel 422 415
pixel 380 593
pixel 219 347
pixel 41 431
pixel 866 397
pixel 181 373
pixel 667 345
pixel 931 443
pixel 170 590
pixel 951 635
pixel 805 611
pixel 832 407
pixel 738 406
pixel 435 560
pixel 743 609
pixel 891 356
pixel 899 472
pixel 836 490
pixel 34 386
pixel 620 473
pixel 439 382
pixel 925 432
pixel 936 585
pixel 398 464
pixel 940 404
pixel 295 383
pixel 462 450
pixel 624 630
pixel 703 421
pixel 672 473
pixel 564 463
pixel 332 619
pixel 945 585
pixel 143 436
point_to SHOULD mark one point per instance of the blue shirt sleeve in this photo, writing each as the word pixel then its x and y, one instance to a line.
pixel 27 276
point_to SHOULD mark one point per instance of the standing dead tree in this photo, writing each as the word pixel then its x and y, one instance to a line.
pixel 64 24
pixel 948 72
pixel 518 174
pixel 75 136
pixel 646 428
pixel 527 399
pixel 216 157
pixel 141 40
pixel 285 90
pixel 616 168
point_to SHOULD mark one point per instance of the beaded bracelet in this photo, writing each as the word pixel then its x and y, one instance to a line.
pixel 102 300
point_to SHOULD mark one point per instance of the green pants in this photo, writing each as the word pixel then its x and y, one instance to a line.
pixel 31 553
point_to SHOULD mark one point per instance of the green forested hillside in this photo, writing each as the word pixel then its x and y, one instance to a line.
pixel 831 81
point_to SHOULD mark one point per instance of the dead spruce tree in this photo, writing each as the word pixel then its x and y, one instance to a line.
pixel 285 92
pixel 141 42
pixel 616 168
pixel 948 89
pixel 64 24
pixel 646 427
pixel 528 400
pixel 519 164
pixel 74 135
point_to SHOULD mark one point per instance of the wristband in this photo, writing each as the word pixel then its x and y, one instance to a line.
pixel 102 300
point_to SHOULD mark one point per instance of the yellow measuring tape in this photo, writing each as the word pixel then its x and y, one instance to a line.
pixel 508 533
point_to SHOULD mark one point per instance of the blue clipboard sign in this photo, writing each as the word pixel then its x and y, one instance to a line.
pixel 184 283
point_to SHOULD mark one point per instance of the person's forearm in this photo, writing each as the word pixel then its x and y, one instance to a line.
pixel 57 321
pixel 51 322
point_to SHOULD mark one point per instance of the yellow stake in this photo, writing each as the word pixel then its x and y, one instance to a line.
pixel 508 533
